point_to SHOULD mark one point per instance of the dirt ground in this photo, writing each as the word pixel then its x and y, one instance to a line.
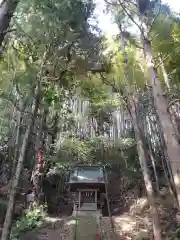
pixel 129 223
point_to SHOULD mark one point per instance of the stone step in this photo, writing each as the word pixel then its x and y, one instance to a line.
pixel 86 228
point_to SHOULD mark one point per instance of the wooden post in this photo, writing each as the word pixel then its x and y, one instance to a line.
pixel 96 197
pixel 79 199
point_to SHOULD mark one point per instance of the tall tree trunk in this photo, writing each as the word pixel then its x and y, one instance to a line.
pixel 54 132
pixel 146 175
pixel 17 141
pixel 161 104
pixel 140 145
pixel 7 9
pixel 9 214
pixel 174 112
pixel 39 168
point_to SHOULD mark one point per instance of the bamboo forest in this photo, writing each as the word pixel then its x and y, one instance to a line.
pixel 89 120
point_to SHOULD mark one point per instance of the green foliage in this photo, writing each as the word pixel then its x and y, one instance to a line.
pixel 72 150
pixel 4 122
pixel 174 233
pixel 30 220
pixel 63 31
pixel 52 94
pixel 60 28
pixel 165 42
pixel 98 150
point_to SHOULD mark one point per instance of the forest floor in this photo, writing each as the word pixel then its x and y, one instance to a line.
pixel 134 223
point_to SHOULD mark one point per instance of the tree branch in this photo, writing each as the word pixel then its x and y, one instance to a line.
pixel 8 31
pixel 153 21
pixel 129 15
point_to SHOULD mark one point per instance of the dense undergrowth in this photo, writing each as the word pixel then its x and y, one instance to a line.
pixel 28 221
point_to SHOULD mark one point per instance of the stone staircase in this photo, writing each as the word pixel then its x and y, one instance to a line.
pixel 86 228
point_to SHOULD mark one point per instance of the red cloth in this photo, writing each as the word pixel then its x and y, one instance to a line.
pixel 98 236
